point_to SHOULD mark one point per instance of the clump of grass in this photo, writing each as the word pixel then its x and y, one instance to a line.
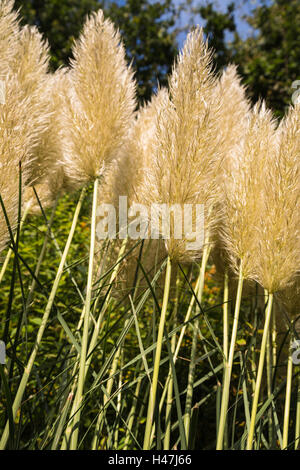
pixel 197 142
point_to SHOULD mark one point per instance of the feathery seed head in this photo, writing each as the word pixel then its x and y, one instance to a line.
pixel 278 249
pixel 186 159
pixel 15 144
pixel 243 188
pixel 9 30
pixel 130 169
pixel 101 103
pixel 53 143
pixel 234 111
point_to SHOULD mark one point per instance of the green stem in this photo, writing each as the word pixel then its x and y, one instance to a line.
pixel 297 427
pixel 274 342
pixel 94 338
pixel 288 392
pixel 225 315
pixel 191 374
pixel 10 251
pixel 84 343
pixel 229 362
pixel 225 339
pixel 109 385
pixel 28 368
pixel 259 372
pixel 169 400
pixel 153 388
pixel 132 413
pixel 119 403
pixel 269 382
pixel 180 339
pixel 40 260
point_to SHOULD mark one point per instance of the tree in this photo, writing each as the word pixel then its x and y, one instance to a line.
pixel 59 20
pixel 216 26
pixel 269 60
pixel 151 46
pixel 145 26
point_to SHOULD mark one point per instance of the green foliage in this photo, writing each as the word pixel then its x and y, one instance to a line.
pixel 59 20
pixel 216 26
pixel 269 60
pixel 145 28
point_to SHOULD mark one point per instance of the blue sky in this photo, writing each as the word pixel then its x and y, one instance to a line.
pixel 243 7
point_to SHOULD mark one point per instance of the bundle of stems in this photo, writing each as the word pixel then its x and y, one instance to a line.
pixel 184 168
pixel 242 206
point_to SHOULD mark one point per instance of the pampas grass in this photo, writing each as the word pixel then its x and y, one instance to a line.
pixel 99 111
pixel 100 106
pixel 279 237
pixel 242 185
pixel 196 142
pixel 185 161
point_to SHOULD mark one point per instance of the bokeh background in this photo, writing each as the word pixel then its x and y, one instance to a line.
pixel 260 36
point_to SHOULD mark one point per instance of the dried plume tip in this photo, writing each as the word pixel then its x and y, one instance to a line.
pixel 129 170
pixel 23 65
pixel 31 63
pixel 124 178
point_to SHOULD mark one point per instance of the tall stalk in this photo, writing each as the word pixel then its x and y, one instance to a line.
pixel 297 426
pixel 287 406
pixel 29 366
pixel 191 374
pixel 100 419
pixel 119 402
pixel 269 381
pixel 225 315
pixel 41 257
pixel 225 338
pixel 87 307
pixel 132 413
pixel 274 340
pixel 180 339
pixel 259 372
pixel 10 251
pixel 93 341
pixel 170 376
pixel 169 401
pixel 229 362
pixel 153 388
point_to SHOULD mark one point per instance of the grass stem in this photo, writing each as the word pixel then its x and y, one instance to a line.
pixel 29 366
pixel 153 388
pixel 84 343
pixel 229 362
pixel 259 372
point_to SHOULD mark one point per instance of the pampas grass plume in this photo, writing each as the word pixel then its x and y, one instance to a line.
pixel 101 102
